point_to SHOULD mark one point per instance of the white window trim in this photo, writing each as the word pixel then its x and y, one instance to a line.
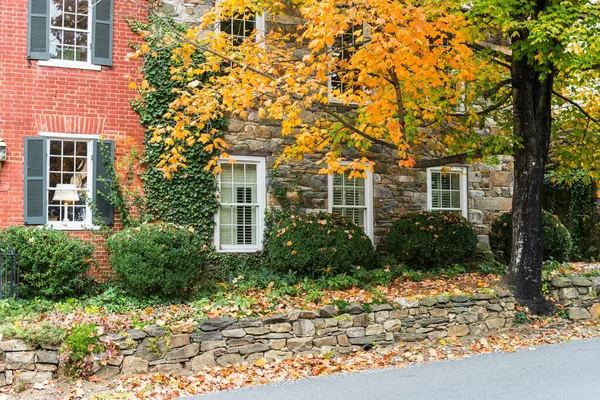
pixel 368 200
pixel 463 189
pixel 261 196
pixel 86 65
pixel 259 25
pixel 70 64
pixel 71 225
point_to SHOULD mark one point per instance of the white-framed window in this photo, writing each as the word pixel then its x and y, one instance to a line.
pixel 352 198
pixel 69 165
pixel 447 189
pixel 242 196
pixel 241 26
pixel 70 34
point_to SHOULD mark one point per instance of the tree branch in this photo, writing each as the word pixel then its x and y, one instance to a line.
pixel 571 102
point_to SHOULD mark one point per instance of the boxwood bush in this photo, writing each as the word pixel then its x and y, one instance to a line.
pixel 557 239
pixel 429 239
pixel 157 259
pixel 317 244
pixel 52 263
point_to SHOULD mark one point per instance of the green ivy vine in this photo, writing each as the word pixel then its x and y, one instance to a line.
pixel 189 197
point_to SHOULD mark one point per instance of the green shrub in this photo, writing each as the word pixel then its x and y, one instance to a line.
pixel 557 240
pixel 429 239
pixel 157 259
pixel 76 353
pixel 52 263
pixel 317 244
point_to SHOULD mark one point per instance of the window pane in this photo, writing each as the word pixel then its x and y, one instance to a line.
pixel 337 196
pixel 227 173
pixel 82 149
pixel 446 200
pixel 435 199
pixel 225 215
pixel 238 173
pixel 225 234
pixel 445 178
pixel 226 193
pixel 435 180
pixel 251 173
pixel 455 199
pixel 455 181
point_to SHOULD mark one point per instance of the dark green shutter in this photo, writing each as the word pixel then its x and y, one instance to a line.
pixel 102 36
pixel 36 197
pixel 38 31
pixel 104 153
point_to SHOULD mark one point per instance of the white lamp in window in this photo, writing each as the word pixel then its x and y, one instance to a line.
pixel 66 193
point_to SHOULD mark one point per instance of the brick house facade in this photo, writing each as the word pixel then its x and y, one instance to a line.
pixel 62 105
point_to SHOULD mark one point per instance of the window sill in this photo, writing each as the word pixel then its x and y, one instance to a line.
pixel 236 249
pixel 71 226
pixel 69 64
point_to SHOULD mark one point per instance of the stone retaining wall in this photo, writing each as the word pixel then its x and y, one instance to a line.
pixel 578 295
pixel 224 341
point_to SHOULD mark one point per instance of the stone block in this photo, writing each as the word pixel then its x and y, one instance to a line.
pixel 15 345
pixel 207 346
pixel 327 311
pixel 281 327
pixel 301 314
pixel 19 360
pixel 259 330
pixel 107 372
pixel 568 293
pixel 215 324
pixel 234 333
pixel 134 365
pixel 493 204
pixel 392 325
pixel 325 341
pixel 173 368
pixel 595 311
pixel 188 351
pixel 304 327
pixel 136 334
pixel 46 367
pixel 155 330
pixel 151 349
pixel 277 355
pixel 438 312
pixel 374 329
pixel 179 340
pixel 299 344
pixel 381 316
pixel 185 327
pixel 494 324
pixel 355 332
pixel 229 359
pixel 277 344
pixel 46 357
pixel 253 348
pixel 360 320
pixel 581 281
pixel 458 330
pixel 561 282
pixel 199 363
pixel 576 313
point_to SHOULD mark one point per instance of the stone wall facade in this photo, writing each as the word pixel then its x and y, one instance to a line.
pixel 225 341
pixel 578 295
pixel 395 190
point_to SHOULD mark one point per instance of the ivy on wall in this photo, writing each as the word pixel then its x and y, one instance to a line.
pixel 188 198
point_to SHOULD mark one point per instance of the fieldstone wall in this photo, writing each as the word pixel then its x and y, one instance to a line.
pixel 395 190
pixel 578 295
pixel 224 341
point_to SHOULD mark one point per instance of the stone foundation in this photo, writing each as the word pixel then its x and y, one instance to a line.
pixel 225 341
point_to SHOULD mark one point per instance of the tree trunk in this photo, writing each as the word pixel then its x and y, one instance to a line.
pixel 532 123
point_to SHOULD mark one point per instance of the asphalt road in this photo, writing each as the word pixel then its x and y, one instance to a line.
pixel 565 371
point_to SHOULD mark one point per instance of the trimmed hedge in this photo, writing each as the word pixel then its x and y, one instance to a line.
pixel 557 239
pixel 317 244
pixel 52 263
pixel 429 239
pixel 157 259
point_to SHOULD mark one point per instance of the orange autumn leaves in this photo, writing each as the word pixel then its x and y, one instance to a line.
pixel 402 66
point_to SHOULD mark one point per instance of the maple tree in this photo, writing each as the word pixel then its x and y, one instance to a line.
pixel 434 82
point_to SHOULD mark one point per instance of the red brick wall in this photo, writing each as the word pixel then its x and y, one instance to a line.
pixel 37 98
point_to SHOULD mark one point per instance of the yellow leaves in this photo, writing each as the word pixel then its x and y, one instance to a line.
pixel 132 85
pixel 289 243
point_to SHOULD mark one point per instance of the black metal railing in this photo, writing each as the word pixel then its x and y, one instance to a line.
pixel 9 275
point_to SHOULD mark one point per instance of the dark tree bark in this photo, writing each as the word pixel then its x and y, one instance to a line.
pixel 532 95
